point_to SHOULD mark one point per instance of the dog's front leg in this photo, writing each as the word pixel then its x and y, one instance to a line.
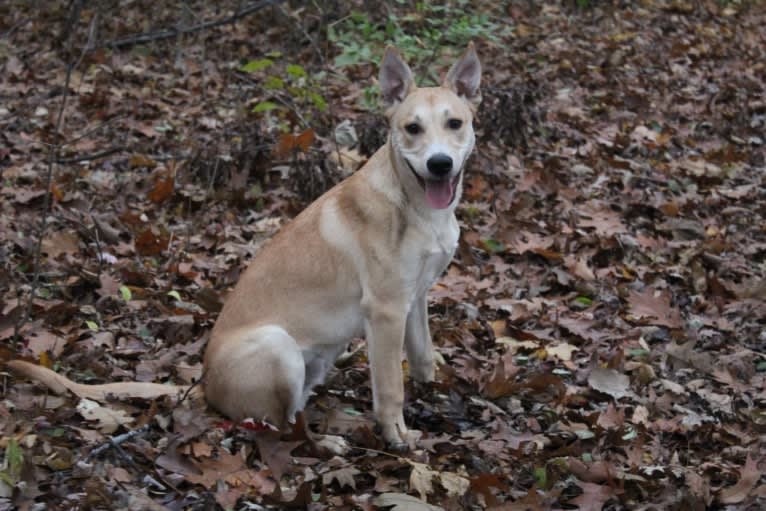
pixel 417 341
pixel 384 326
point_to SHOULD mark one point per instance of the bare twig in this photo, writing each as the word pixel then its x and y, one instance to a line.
pixel 169 33
pixel 94 129
pixel 92 156
pixel 116 441
pixel 52 157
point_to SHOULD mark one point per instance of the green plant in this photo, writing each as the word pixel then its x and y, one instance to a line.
pixel 288 86
pixel 428 34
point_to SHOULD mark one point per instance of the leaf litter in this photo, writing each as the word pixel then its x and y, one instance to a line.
pixel 601 328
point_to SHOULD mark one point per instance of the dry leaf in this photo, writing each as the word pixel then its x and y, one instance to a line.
pixel 344 476
pixel 403 502
pixel 108 419
pixel 749 476
pixel 455 485
pixel 421 478
pixel 609 381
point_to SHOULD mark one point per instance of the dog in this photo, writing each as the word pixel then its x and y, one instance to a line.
pixel 358 261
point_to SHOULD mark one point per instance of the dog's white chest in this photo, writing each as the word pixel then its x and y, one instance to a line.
pixel 436 251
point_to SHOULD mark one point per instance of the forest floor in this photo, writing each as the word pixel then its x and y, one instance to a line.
pixel 602 327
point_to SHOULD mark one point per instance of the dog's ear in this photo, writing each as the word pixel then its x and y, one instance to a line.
pixel 395 77
pixel 464 76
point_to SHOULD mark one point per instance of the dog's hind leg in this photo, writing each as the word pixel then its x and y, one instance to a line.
pixel 264 375
pixel 260 375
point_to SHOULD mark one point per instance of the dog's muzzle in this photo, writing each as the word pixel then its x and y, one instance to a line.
pixel 440 191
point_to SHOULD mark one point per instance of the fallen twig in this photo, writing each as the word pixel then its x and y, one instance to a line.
pixel 52 157
pixel 92 156
pixel 116 441
pixel 168 33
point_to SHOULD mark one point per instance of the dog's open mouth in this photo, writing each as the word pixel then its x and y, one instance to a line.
pixel 439 192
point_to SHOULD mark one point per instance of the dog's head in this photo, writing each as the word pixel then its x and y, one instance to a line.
pixel 432 127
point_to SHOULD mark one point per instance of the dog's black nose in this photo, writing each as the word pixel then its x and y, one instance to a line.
pixel 439 164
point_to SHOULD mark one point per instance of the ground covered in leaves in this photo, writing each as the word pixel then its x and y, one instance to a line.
pixel 601 330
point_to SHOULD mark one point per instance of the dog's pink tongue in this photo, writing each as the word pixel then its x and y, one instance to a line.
pixel 439 193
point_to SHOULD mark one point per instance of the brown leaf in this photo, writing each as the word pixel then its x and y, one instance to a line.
pixel 612 418
pixel 603 219
pixel 61 242
pixel 41 341
pixel 232 469
pixel 529 502
pixel 139 160
pixel 593 497
pixel 163 188
pixel 482 484
pixel 344 476
pixel 749 476
pixel 274 452
pixel 653 307
pixel 289 143
pixel 501 381
pixel 305 139
pixel 151 243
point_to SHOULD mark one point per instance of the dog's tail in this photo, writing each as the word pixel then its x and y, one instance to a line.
pixel 120 390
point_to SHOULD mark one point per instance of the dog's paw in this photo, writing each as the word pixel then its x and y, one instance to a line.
pixel 405 441
pixel 334 444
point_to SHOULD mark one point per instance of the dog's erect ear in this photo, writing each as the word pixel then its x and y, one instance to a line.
pixel 464 76
pixel 395 77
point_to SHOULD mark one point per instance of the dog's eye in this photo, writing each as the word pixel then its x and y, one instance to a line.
pixel 454 124
pixel 412 128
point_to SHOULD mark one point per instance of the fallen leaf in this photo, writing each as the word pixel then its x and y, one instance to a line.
pixel 403 502
pixel 108 419
pixel 609 381
pixel 593 497
pixel 344 476
pixel 562 351
pixel 749 476
pixel 653 306
pixel 62 242
pixel 455 484
pixel 421 478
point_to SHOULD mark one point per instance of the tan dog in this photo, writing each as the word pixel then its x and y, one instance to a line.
pixel 359 260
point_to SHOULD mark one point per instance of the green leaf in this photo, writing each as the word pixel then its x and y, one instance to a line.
pixel 541 476
pixel 493 246
pixel 126 294
pixel 584 300
pixel 92 325
pixel 264 106
pixel 175 295
pixel 14 459
pixel 319 101
pixel 631 434
pixel 274 83
pixel 256 65
pixel 637 352
pixel 296 71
